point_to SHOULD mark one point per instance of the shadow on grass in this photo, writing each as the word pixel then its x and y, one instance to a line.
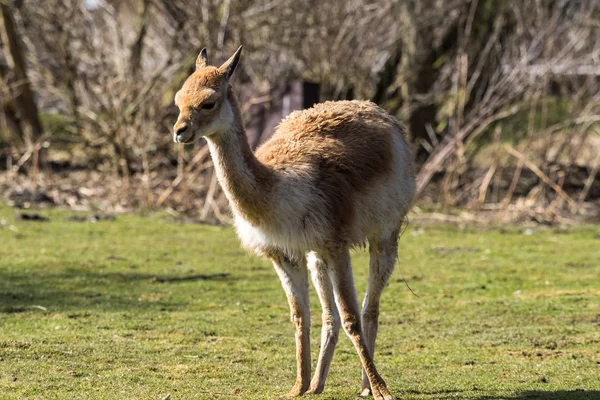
pixel 76 290
pixel 519 395
pixel 549 395
pixel 554 395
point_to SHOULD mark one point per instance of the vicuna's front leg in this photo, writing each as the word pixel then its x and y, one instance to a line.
pixel 294 279
pixel 345 298
pixel 331 321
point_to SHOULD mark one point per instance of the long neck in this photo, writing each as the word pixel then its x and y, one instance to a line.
pixel 244 179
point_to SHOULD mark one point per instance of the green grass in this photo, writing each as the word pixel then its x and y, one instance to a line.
pixel 500 314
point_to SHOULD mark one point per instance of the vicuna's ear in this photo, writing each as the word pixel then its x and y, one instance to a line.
pixel 228 67
pixel 202 60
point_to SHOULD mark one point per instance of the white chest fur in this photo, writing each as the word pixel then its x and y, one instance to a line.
pixel 290 236
pixel 252 237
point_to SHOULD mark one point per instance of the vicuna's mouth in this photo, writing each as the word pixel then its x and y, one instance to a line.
pixel 183 139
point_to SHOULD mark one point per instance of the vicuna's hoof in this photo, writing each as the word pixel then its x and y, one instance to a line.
pixel 297 390
pixel 315 390
pixel 379 393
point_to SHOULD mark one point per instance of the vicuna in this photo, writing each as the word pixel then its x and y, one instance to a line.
pixel 331 177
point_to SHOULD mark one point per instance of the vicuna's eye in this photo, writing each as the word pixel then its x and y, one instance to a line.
pixel 208 106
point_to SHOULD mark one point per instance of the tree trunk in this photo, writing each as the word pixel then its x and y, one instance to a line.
pixel 424 114
pixel 21 95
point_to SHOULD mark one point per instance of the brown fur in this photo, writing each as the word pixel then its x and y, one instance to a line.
pixel 333 136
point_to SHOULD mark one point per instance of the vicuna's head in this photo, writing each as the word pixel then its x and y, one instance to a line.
pixel 204 109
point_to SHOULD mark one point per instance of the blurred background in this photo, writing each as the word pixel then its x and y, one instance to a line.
pixel 501 98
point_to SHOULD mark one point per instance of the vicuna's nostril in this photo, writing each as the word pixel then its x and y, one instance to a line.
pixel 180 130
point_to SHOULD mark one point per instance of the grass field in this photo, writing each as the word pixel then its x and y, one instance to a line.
pixel 500 314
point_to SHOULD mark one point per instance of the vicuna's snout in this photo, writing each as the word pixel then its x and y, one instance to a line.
pixel 182 132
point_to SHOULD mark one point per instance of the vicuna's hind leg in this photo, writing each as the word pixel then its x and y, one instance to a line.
pixel 340 272
pixel 383 251
pixel 331 321
pixel 294 279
